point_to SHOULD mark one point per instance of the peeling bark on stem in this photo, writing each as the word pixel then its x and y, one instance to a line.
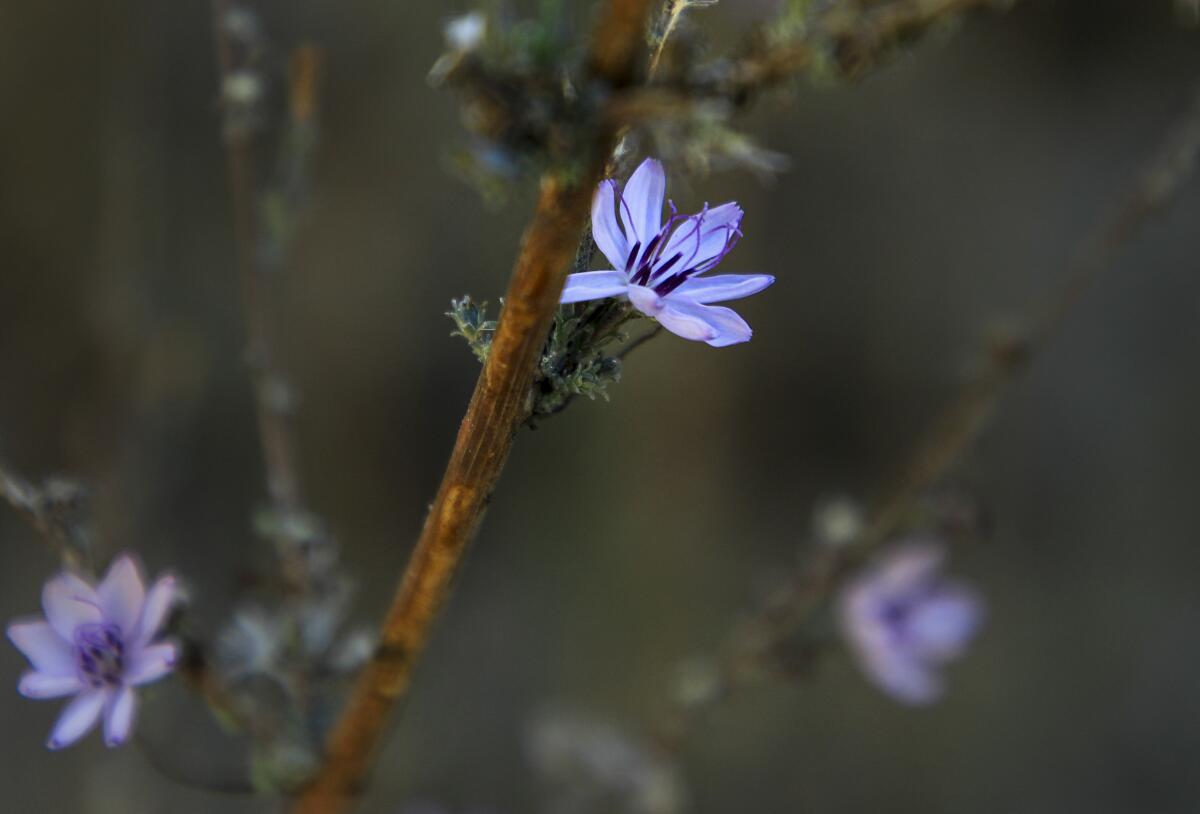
pixel 497 409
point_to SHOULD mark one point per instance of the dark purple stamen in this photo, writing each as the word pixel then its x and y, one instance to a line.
pixel 644 266
pixel 665 267
pixel 100 654
pixel 670 284
pixel 894 613
pixel 633 253
pixel 650 247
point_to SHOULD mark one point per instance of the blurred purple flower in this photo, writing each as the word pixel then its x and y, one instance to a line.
pixel 658 266
pixel 904 620
pixel 97 644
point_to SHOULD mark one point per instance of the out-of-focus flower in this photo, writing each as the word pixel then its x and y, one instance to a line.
pixel 838 521
pixel 658 266
pixel 904 620
pixel 243 88
pixel 252 643
pixel 466 33
pixel 96 643
pixel 242 24
pixel 590 766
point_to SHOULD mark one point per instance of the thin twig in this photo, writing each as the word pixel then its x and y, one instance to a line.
pixel 259 255
pixel 672 14
pixel 261 247
pixel 497 409
pixel 960 423
pixel 867 34
pixel 52 510
pixel 272 392
pixel 185 776
pixel 641 340
pixel 846 40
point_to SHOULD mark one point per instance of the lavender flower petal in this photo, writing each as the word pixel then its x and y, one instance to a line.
pixel 907 680
pixel 119 711
pixel 122 593
pixel 704 237
pixel 944 625
pixel 605 229
pixel 659 266
pixel 151 664
pixel 45 649
pixel 716 325
pixel 158 602
pixel 904 621
pixel 40 685
pixel 643 196
pixel 69 602
pixel 645 300
pixel 723 287
pixel 718 231
pixel 593 285
pixel 686 326
pixel 77 718
pixel 96 645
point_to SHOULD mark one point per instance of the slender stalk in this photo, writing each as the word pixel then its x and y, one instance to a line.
pixel 498 407
pixel 641 340
pixel 272 392
pixel 845 40
pixel 672 14
pixel 52 511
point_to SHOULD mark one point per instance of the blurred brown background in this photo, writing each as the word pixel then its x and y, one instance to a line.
pixel 941 193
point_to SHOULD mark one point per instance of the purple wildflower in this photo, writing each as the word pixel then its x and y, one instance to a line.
pixel 97 644
pixel 658 266
pixel 904 620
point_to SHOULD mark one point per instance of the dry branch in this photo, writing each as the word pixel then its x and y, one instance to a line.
pixel 498 407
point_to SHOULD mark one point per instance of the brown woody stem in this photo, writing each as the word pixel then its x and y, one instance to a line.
pixel 498 407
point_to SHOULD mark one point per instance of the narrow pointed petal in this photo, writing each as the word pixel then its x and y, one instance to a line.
pixel 122 593
pixel 151 664
pixel 713 324
pixel 643 194
pixel 724 287
pixel 45 649
pixel 605 229
pixel 69 602
pixel 154 611
pixel 119 713
pixel 39 685
pixel 645 300
pixel 77 718
pixel 593 285
pixel 703 238
pixel 718 232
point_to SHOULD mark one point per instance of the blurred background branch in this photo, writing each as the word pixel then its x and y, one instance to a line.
pixel 242 88
pixel 765 642
pixel 56 510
